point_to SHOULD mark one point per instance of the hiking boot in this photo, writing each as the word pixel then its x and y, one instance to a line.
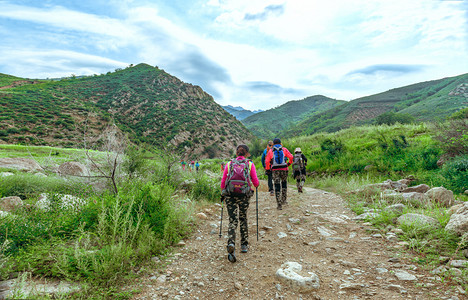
pixel 279 207
pixel 244 248
pixel 300 189
pixel 272 193
pixel 231 253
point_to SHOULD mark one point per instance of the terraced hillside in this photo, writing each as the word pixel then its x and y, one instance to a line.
pixel 147 104
pixel 270 123
pixel 425 101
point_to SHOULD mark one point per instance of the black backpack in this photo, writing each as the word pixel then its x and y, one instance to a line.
pixel 298 162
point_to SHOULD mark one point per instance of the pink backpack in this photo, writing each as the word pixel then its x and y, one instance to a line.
pixel 238 183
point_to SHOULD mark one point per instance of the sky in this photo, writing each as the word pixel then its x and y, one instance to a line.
pixel 257 54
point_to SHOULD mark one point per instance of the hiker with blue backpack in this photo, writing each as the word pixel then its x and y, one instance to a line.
pixel 268 172
pixel 278 159
pixel 239 178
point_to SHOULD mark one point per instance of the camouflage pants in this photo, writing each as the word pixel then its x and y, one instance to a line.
pixel 280 178
pixel 300 178
pixel 237 210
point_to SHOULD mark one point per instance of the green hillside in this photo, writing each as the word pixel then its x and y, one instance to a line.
pixel 429 100
pixel 270 123
pixel 147 104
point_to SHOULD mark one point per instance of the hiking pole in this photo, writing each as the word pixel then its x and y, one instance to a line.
pixel 256 195
pixel 221 225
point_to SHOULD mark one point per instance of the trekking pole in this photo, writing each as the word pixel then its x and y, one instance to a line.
pixel 256 193
pixel 221 225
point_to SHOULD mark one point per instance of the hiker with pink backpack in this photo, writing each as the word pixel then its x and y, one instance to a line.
pixel 239 178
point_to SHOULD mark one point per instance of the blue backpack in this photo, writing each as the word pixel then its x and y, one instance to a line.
pixel 279 160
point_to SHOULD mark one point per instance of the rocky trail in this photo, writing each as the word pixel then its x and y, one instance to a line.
pixel 351 259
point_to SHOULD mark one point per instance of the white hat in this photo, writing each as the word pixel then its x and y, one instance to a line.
pixel 297 150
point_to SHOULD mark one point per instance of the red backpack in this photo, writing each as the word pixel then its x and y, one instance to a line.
pixel 238 183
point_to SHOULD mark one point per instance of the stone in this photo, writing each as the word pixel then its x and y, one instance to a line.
pixel 20 164
pixel 202 216
pixel 9 204
pixel 453 209
pixel 418 220
pixel 282 235
pixel 397 208
pixel 364 216
pixel 458 222
pixel 441 196
pixel 288 274
pixel 351 286
pixel 421 188
pixel 325 231
pixel 404 276
pixel 459 263
pixel 73 168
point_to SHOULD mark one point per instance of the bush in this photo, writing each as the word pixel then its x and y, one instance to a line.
pixel 30 186
pixel 391 118
pixel 334 147
pixel 455 173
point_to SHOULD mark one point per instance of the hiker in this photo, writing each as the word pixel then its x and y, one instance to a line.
pixel 299 168
pixel 278 160
pixel 192 165
pixel 197 166
pixel 268 171
pixel 239 178
pixel 183 164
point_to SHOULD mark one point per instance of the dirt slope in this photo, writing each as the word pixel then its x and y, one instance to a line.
pixel 351 263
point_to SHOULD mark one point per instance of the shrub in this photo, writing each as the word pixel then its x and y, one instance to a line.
pixel 453 136
pixel 455 173
pixel 334 147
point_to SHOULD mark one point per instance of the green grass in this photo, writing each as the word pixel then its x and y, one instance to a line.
pixel 104 243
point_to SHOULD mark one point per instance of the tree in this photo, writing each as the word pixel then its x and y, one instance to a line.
pixel 391 118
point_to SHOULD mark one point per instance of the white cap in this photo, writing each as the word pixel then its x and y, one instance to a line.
pixel 297 150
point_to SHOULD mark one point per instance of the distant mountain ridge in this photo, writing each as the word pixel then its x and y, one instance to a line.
pixel 272 122
pixel 426 101
pixel 240 113
pixel 147 104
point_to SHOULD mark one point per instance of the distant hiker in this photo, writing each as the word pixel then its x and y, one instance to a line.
pixel 223 165
pixel 239 178
pixel 192 164
pixel 183 164
pixel 278 159
pixel 268 171
pixel 197 166
pixel 299 168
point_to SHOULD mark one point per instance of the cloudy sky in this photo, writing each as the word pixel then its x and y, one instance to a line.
pixel 254 53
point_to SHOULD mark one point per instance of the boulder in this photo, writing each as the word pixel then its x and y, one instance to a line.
pixel 398 185
pixel 10 203
pixel 20 164
pixel 288 274
pixel 397 208
pixel 73 168
pixel 418 220
pixel 453 209
pixel 421 188
pixel 458 222
pixel 441 195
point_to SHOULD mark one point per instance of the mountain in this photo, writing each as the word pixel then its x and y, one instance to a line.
pixel 270 123
pixel 147 104
pixel 239 112
pixel 430 100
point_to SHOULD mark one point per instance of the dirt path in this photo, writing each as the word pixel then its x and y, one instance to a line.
pixel 350 258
